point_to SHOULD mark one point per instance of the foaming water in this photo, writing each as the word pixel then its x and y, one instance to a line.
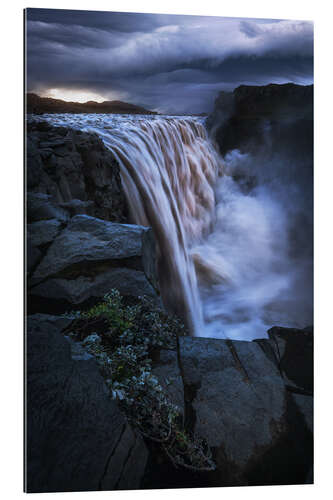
pixel 255 268
pixel 223 248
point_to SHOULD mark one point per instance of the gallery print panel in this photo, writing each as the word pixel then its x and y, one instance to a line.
pixel 169 251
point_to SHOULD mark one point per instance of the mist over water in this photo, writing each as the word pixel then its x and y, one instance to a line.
pixel 234 234
pixel 260 249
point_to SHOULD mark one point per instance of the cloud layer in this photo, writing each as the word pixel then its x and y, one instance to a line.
pixel 173 64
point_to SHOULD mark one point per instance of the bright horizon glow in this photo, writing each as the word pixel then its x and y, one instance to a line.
pixel 73 95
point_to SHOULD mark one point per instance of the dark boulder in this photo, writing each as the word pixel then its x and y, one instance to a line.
pixel 76 437
pixel 87 239
pixel 87 259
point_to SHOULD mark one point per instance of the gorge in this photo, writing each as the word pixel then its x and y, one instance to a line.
pixel 233 232
pixel 211 219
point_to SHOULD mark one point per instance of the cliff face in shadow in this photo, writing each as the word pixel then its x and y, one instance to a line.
pixel 250 117
pixel 265 135
pixel 71 176
pixel 40 105
pixel 76 170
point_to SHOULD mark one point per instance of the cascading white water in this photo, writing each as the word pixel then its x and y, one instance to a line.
pixel 223 252
pixel 169 169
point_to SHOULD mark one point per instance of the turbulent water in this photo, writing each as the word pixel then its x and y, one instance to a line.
pixel 224 247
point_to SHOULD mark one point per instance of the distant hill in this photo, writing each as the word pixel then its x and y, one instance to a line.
pixel 39 105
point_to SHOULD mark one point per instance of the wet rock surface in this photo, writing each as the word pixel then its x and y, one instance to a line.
pixel 77 439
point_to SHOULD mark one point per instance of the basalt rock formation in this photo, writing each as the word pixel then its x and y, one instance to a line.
pixel 78 245
pixel 252 118
pixel 76 170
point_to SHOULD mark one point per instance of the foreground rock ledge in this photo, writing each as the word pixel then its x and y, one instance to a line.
pixel 76 437
pixel 244 398
pixel 259 425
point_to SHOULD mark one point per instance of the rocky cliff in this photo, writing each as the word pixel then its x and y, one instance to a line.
pixel 76 252
pixel 252 118
pixel 75 171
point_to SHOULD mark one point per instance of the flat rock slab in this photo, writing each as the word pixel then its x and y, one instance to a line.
pixel 87 259
pixel 241 407
pixel 76 437
pixel 87 239
pixel 78 290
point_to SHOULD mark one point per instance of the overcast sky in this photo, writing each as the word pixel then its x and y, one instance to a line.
pixel 167 63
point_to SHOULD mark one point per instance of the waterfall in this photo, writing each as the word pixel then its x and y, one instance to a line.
pixel 233 252
pixel 169 169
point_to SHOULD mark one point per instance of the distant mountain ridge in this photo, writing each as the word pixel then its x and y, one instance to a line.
pixel 40 105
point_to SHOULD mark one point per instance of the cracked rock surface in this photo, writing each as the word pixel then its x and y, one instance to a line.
pixel 239 401
pixel 85 260
pixel 75 169
pixel 77 439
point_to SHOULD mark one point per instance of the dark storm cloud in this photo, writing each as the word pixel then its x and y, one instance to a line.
pixel 169 63
pixel 108 21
